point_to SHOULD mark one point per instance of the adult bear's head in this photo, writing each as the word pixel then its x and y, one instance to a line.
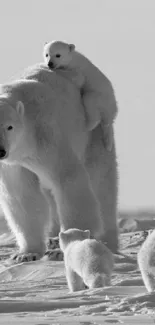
pixel 11 126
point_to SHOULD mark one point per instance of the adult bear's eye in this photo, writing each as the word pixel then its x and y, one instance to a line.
pixel 46 55
pixel 10 127
pixel 58 55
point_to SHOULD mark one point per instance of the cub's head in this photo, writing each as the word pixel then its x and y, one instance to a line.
pixel 11 126
pixel 58 54
pixel 70 235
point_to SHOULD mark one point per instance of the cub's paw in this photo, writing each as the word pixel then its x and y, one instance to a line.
pixel 53 255
pixel 53 243
pixel 24 257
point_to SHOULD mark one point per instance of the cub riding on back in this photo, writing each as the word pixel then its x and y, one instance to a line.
pixel 96 90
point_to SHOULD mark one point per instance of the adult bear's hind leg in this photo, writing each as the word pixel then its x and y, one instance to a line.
pixel 25 209
pixel 107 195
pixel 102 168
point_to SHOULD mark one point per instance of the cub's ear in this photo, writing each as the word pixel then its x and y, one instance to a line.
pixel 71 47
pixel 20 108
pixel 87 233
pixel 62 235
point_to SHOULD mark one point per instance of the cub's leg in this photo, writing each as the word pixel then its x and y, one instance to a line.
pixel 75 282
pixel 93 104
pixel 95 280
pixel 108 111
pixel 92 112
pixel 107 135
pixel 146 262
pixel 25 209
pixel 148 279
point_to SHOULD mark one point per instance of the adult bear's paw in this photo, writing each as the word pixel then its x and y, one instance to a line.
pixel 53 243
pixel 24 257
pixel 53 255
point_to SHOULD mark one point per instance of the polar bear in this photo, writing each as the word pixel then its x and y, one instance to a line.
pixel 51 167
pixel 97 92
pixel 146 261
pixel 87 261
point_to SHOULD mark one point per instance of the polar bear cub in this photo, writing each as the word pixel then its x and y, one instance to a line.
pixel 96 90
pixel 146 262
pixel 87 261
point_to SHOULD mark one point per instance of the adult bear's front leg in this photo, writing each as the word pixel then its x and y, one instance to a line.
pixel 25 209
pixel 61 170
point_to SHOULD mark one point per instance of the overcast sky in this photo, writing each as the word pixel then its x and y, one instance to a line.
pixel 119 37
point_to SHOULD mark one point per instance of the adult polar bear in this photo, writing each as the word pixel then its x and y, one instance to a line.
pixel 51 165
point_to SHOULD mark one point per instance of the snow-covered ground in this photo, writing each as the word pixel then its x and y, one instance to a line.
pixel 37 293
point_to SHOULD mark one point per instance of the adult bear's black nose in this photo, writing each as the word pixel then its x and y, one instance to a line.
pixel 2 153
pixel 50 65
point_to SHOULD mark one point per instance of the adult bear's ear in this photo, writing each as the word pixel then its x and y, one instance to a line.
pixel 71 47
pixel 20 108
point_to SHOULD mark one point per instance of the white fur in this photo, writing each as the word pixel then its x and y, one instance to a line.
pixel 146 262
pixel 87 261
pixel 97 92
pixel 54 167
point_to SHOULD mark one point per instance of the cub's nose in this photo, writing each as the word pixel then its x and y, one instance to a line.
pixel 50 65
pixel 2 153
